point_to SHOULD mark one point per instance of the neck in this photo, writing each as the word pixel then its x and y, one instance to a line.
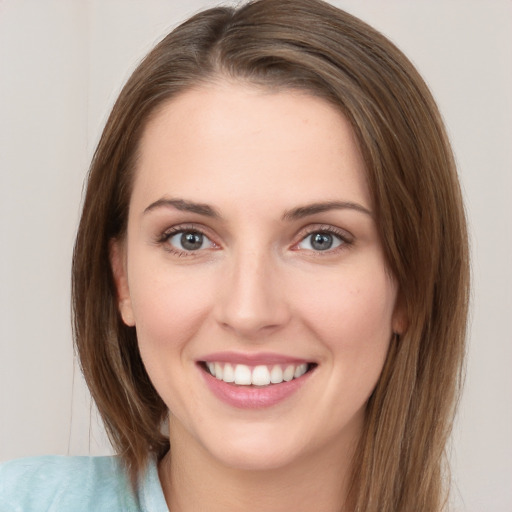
pixel 194 481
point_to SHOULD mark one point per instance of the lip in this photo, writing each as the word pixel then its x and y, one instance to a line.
pixel 252 397
pixel 258 358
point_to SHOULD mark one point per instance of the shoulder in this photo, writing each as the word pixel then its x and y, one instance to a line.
pixel 65 483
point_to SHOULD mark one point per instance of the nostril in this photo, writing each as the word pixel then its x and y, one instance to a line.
pixel 250 303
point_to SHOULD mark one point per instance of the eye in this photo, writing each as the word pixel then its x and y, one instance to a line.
pixel 189 240
pixel 320 241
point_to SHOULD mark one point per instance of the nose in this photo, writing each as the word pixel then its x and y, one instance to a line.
pixel 252 303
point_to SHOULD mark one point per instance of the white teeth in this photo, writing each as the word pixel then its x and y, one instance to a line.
pixel 300 370
pixel 289 373
pixel 229 373
pixel 243 375
pixel 276 375
pixel 261 375
pixel 218 371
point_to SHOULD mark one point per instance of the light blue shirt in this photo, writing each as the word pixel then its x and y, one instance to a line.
pixel 77 484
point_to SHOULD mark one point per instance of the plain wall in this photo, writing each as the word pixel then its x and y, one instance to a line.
pixel 62 64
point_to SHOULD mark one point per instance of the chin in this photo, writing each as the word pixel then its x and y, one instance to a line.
pixel 246 459
pixel 259 448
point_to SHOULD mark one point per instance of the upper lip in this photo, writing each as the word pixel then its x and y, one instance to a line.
pixel 251 359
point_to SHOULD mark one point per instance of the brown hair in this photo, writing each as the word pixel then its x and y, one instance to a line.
pixel 312 46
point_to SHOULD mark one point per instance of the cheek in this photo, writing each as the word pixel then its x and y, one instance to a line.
pixel 352 320
pixel 169 307
pixel 351 313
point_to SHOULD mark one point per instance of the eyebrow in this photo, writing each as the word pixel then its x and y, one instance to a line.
pixel 311 209
pixel 185 206
pixel 290 215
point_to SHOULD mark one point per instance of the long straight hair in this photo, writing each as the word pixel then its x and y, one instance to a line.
pixel 311 46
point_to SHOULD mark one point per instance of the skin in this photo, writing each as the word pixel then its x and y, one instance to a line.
pixel 256 285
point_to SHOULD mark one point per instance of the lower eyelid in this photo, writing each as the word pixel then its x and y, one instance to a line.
pixel 338 241
pixel 342 239
pixel 206 240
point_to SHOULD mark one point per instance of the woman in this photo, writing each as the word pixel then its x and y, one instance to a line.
pixel 270 276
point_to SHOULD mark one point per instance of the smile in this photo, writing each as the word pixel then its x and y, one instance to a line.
pixel 260 375
pixel 254 381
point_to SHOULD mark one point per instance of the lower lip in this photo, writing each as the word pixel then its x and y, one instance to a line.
pixel 253 397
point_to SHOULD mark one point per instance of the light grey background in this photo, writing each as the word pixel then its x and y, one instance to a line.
pixel 62 64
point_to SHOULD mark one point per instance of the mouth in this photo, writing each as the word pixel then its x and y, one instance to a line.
pixel 260 376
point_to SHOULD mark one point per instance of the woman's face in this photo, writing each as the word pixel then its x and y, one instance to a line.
pixel 252 253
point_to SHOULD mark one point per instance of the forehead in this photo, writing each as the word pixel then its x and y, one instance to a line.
pixel 223 139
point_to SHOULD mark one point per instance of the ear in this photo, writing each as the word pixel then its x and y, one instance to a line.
pixel 400 321
pixel 117 256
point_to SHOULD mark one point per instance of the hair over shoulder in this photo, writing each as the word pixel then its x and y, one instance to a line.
pixel 311 46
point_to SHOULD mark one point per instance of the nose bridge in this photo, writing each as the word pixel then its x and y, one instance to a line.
pixel 253 300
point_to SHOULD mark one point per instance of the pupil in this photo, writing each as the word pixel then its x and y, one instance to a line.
pixel 191 241
pixel 321 241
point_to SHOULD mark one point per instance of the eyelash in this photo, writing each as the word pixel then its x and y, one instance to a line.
pixel 176 230
pixel 344 238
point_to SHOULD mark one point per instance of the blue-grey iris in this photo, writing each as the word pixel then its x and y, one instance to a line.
pixel 191 241
pixel 321 241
